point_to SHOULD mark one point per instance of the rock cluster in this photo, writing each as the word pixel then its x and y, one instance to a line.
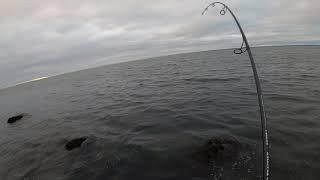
pixel 75 143
pixel 13 119
pixel 218 149
pixel 72 144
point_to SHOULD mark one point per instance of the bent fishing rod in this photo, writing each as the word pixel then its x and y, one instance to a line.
pixel 242 49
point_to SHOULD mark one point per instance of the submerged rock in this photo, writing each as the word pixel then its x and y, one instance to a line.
pixel 75 143
pixel 15 118
pixel 218 149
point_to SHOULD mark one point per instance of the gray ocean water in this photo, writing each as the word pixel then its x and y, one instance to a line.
pixel 144 119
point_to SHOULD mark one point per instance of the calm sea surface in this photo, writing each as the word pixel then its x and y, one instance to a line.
pixel 144 119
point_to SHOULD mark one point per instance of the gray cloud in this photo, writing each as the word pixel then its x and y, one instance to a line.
pixel 43 38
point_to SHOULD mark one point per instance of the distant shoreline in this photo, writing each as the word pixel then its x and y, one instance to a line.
pixel 133 60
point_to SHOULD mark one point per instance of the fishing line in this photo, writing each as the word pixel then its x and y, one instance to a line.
pixel 242 49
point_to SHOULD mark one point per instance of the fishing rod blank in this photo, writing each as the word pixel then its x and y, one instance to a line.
pixel 265 146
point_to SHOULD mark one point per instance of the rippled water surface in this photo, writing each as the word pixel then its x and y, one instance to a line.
pixel 145 119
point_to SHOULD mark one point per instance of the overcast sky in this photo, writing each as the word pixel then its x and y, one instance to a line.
pixel 46 37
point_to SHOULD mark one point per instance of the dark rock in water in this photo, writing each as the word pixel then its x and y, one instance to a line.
pixel 75 143
pixel 218 149
pixel 15 118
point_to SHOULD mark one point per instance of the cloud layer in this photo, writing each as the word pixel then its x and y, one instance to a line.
pixel 43 38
